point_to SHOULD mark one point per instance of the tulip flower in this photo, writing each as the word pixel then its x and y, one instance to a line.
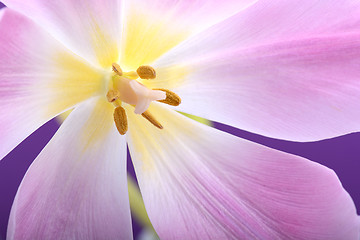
pixel 284 69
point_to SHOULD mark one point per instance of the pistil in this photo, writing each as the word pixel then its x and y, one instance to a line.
pixel 125 88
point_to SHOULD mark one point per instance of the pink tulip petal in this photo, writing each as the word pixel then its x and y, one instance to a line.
pixel 285 69
pixel 38 79
pixel 90 28
pixel 76 188
pixel 200 183
pixel 151 28
pixel 201 13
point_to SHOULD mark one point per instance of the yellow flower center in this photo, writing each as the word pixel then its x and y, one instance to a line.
pixel 124 88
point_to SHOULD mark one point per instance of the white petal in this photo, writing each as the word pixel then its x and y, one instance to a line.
pixel 77 187
pixel 90 28
pixel 285 69
pixel 200 183
pixel 39 79
pixel 153 27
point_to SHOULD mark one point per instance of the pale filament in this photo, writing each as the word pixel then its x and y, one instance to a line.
pixel 125 88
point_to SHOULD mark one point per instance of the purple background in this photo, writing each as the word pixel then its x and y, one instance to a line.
pixel 341 154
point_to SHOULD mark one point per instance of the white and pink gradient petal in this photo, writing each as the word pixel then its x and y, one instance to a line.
pixel 76 188
pixel 284 69
pixel 201 13
pixel 151 28
pixel 200 183
pixel 90 29
pixel 39 79
pixel 2 11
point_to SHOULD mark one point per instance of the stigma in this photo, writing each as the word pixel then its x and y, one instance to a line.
pixel 125 88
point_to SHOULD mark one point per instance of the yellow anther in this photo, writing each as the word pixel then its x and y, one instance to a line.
pixel 117 69
pixel 148 116
pixel 171 98
pixel 120 120
pixel 112 95
pixel 146 72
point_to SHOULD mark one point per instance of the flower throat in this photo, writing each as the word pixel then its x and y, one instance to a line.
pixel 125 88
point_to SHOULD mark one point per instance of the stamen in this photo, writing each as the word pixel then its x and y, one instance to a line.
pixel 131 75
pixel 171 98
pixel 117 69
pixel 148 116
pixel 120 120
pixel 112 95
pixel 146 72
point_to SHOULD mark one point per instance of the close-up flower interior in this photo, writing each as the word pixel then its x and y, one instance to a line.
pixel 162 81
